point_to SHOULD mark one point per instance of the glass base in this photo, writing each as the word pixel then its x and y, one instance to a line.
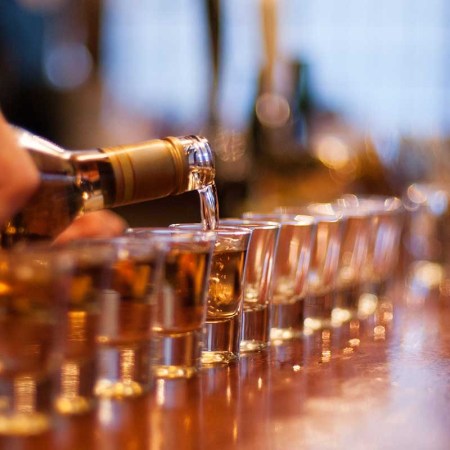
pixel 255 328
pixel 221 341
pixel 315 323
pixel 77 381
pixel 172 372
pixel 342 315
pixel 74 405
pixel 218 358
pixel 24 424
pixel 123 371
pixel 252 346
pixel 287 320
pixel 285 334
pixel 317 312
pixel 346 305
pixel 118 389
pixel 177 355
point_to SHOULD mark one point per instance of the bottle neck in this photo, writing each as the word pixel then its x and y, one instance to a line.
pixel 120 175
pixel 200 161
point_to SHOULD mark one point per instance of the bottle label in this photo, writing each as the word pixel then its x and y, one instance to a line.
pixel 148 170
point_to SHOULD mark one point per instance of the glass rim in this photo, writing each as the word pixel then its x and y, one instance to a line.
pixel 249 223
pixel 301 212
pixel 324 212
pixel 61 260
pixel 220 230
pixel 281 218
pixel 171 234
pixel 426 194
pixel 122 242
pixel 374 204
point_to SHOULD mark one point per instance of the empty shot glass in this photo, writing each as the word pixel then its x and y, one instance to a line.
pixel 126 320
pixel 180 307
pixel 33 287
pixel 384 246
pixel 353 258
pixel 323 273
pixel 256 318
pixel 292 261
pixel 323 269
pixel 427 239
pixel 427 236
pixel 225 294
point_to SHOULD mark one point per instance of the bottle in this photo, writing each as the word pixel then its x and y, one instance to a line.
pixel 74 182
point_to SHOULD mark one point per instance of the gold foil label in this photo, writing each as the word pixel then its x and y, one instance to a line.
pixel 148 170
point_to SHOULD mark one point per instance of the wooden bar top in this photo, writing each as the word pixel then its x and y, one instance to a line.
pixel 379 384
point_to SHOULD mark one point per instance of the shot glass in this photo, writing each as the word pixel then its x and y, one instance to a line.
pixel 256 318
pixel 387 215
pixel 427 239
pixel 323 269
pixel 323 273
pixel 354 248
pixel 427 236
pixel 292 259
pixel 379 272
pixel 180 307
pixel 222 330
pixel 92 271
pixel 33 285
pixel 126 319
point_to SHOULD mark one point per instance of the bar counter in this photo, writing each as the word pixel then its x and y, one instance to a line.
pixel 352 387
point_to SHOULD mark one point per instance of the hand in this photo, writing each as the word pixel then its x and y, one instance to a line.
pixel 19 177
pixel 101 224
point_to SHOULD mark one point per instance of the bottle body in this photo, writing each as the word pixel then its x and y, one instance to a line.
pixel 74 182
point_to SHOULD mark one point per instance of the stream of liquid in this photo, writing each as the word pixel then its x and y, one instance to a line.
pixel 209 207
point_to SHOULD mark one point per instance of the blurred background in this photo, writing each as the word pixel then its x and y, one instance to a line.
pixel 303 100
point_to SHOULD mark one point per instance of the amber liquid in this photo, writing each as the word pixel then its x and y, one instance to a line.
pixel 30 328
pixel 79 370
pixel 222 327
pixel 127 312
pixel 182 307
pixel 84 308
pixel 27 343
pixel 225 289
pixel 180 313
pixel 125 330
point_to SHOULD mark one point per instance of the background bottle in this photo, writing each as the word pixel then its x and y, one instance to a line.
pixel 74 182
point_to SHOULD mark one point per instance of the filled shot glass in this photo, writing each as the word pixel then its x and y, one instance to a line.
pixel 222 331
pixel 180 307
pixel 33 293
pixel 126 320
pixel 292 260
pixel 92 264
pixel 256 318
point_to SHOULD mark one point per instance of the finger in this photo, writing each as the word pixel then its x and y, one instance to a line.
pixel 100 224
